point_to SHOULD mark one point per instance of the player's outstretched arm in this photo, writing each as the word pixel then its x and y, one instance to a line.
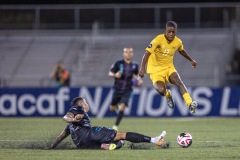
pixel 61 137
pixel 142 70
pixel 186 55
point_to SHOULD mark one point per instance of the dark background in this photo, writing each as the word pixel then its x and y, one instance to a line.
pixel 104 1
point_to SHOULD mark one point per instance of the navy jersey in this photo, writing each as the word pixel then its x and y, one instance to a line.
pixel 84 135
pixel 127 71
pixel 85 121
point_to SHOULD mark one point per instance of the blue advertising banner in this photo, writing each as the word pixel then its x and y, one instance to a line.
pixel 145 102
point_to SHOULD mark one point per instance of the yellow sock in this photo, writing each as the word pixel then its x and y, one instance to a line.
pixel 167 93
pixel 187 98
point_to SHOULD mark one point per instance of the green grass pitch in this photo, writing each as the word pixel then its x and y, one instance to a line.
pixel 213 138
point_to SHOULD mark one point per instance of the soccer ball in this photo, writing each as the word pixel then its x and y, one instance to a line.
pixel 184 139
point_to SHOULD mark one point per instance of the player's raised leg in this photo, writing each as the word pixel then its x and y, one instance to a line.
pixel 115 100
pixel 169 99
pixel 120 114
pixel 160 87
pixel 193 106
pixel 175 79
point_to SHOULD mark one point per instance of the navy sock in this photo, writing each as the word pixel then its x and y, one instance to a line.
pixel 136 137
pixel 119 118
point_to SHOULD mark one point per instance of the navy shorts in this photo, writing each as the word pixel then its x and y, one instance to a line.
pixel 102 134
pixel 90 137
pixel 120 96
pixel 94 137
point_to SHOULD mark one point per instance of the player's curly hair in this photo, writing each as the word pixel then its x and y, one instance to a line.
pixel 75 101
pixel 171 24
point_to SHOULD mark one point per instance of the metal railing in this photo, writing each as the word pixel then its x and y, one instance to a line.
pixel 222 15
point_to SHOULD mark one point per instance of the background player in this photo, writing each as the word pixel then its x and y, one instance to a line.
pixel 123 72
pixel 159 56
pixel 85 136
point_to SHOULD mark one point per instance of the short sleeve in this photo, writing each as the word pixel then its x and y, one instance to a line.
pixel 114 67
pixel 152 46
pixel 181 46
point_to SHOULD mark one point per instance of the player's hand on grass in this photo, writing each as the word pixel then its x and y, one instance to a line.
pixel 194 64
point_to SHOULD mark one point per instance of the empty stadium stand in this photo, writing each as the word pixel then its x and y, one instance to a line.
pixel 27 57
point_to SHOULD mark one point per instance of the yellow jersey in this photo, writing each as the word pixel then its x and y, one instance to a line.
pixel 162 52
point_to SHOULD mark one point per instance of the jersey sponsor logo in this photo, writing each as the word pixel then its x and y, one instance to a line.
pixel 150 46
pixel 166 52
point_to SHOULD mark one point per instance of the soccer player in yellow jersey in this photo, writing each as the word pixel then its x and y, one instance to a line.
pixel 159 59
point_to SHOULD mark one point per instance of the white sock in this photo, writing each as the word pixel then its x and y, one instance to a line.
pixel 154 140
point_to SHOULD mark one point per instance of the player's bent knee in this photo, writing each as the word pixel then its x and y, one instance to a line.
pixel 160 87
pixel 161 91
pixel 122 107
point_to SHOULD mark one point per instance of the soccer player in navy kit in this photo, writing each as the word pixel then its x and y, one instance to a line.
pixel 85 136
pixel 123 72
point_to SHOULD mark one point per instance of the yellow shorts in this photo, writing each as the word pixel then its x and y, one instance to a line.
pixel 162 75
